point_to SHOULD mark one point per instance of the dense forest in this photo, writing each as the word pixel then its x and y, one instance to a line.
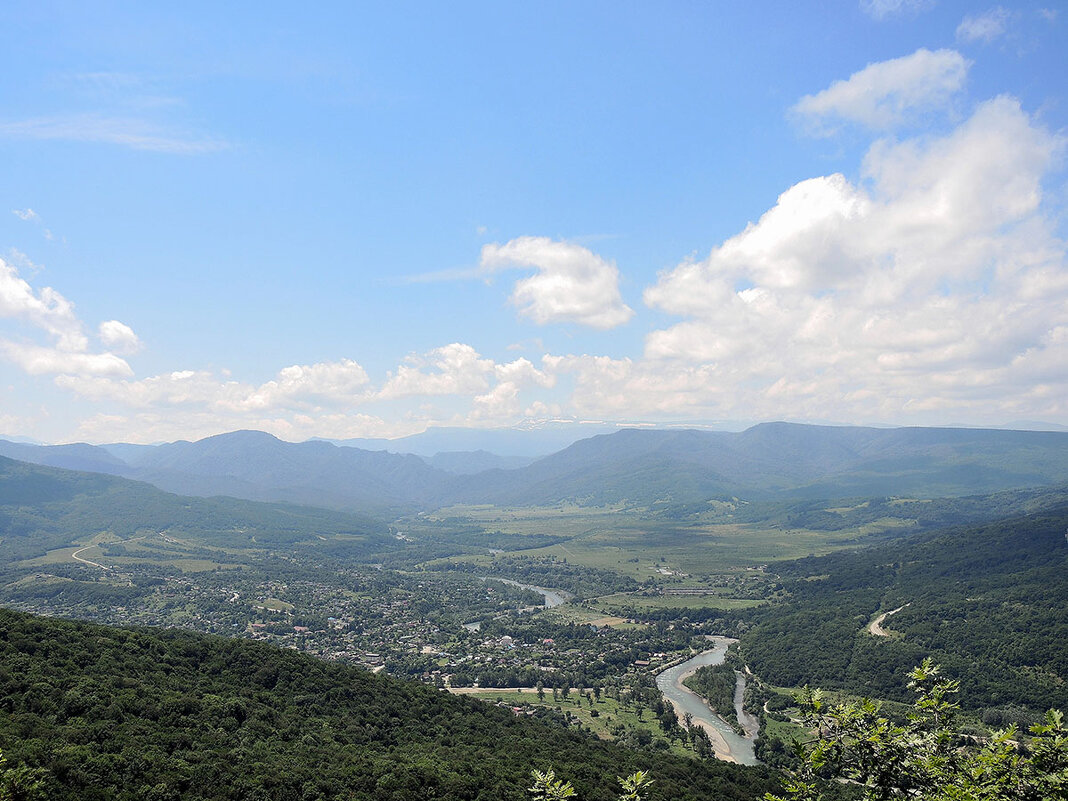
pixel 123 714
pixel 987 602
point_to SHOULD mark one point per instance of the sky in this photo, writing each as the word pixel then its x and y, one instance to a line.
pixel 356 220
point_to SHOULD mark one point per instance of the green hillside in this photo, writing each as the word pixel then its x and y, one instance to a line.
pixel 43 508
pixel 988 602
pixel 137 714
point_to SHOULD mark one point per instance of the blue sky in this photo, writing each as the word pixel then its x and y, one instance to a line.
pixel 363 221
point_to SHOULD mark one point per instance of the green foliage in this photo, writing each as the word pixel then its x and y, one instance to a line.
pixel 128 714
pixel 21 783
pixel 987 602
pixel 547 787
pixel 716 684
pixel 921 757
pixel 633 786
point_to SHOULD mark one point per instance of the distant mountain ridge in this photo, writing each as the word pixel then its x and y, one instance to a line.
pixel 640 467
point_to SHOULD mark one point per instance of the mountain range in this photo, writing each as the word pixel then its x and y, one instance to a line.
pixel 636 467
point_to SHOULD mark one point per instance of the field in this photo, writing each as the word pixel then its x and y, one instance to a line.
pixel 645 547
pixel 158 549
pixel 611 715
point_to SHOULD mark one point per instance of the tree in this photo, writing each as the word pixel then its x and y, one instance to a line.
pixel 923 758
pixel 21 783
pixel 547 787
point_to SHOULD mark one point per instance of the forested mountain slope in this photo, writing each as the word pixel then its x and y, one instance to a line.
pixel 42 508
pixel 125 714
pixel 258 466
pixel 988 602
pixel 644 468
pixel 77 456
pixel 656 466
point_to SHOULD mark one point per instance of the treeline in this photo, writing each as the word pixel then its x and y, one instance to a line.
pixel 133 714
pixel 990 603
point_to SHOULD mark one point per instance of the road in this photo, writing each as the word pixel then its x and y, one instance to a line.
pixel 876 626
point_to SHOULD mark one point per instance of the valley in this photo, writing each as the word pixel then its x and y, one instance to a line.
pixel 577 614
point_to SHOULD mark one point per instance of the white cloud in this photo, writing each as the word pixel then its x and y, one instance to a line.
pixel 325 399
pixel 119 337
pixel 26 215
pixel 38 360
pixel 46 309
pixel 133 133
pixel 886 93
pixel 985 27
pixel 881 9
pixel 504 401
pixel 456 369
pixel 937 283
pixel 571 285
pixel 307 387
pixel 340 382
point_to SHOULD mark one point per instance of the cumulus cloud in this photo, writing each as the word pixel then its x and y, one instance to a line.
pixel 339 382
pixel 571 285
pixel 119 337
pixel 884 94
pixel 935 282
pixel 324 399
pixel 504 401
pixel 48 311
pixel 296 387
pixel 985 27
pixel 38 360
pixel 454 369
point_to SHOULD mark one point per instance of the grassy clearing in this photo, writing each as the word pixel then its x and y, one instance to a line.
pixel 785 730
pixel 610 714
pixel 275 605
pixel 57 556
pixel 570 613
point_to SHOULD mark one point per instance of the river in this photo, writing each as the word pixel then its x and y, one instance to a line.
pixel 552 597
pixel 730 746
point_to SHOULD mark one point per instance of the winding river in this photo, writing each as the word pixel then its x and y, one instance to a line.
pixel 729 745
pixel 552 597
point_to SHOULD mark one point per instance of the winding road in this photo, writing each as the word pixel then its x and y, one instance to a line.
pixel 876 626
